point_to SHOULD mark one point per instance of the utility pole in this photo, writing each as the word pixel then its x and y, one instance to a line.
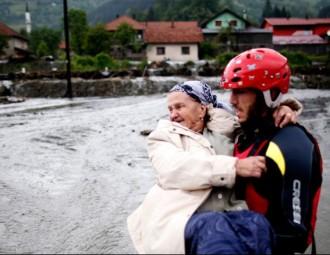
pixel 68 92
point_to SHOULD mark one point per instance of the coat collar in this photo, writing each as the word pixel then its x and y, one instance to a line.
pixel 176 128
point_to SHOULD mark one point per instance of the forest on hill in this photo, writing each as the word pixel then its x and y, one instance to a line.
pixel 49 13
pixel 255 10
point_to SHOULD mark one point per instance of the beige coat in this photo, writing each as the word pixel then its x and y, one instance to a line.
pixel 186 168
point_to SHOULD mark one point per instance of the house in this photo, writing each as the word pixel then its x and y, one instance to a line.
pixel 298 34
pixel 173 40
pixel 222 21
pixel 235 32
pixel 287 26
pixel 251 37
pixel 17 44
pixel 304 41
pixel 139 27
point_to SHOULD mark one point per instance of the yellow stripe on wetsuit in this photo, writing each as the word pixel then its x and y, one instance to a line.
pixel 274 152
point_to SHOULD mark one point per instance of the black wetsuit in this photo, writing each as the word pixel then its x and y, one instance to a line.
pixel 288 193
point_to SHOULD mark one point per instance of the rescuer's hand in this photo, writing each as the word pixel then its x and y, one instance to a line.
pixel 284 115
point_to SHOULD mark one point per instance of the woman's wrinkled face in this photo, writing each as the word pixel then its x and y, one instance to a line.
pixel 186 111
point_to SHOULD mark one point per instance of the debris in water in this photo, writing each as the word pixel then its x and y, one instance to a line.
pixel 145 132
pixel 10 100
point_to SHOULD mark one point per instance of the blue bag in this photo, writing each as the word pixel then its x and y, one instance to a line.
pixel 234 232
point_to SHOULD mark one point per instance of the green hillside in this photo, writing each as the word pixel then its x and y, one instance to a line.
pixel 109 10
pixel 43 12
pixel 201 10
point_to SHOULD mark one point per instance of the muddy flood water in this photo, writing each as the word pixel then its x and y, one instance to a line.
pixel 71 171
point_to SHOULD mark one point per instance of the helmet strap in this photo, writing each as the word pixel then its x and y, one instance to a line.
pixel 268 99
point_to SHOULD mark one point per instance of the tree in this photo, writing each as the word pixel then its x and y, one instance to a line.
pixel 42 49
pixel 268 10
pixel 225 38
pixel 208 49
pixel 51 38
pixel 3 43
pixel 285 13
pixel 324 12
pixel 209 5
pixel 150 16
pixel 97 40
pixel 23 33
pixel 78 29
pixel 277 12
pixel 189 9
pixel 125 34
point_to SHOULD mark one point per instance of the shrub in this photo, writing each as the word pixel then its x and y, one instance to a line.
pixel 42 49
pixel 189 64
pixel 143 64
pixel 83 63
pixel 319 58
pixel 123 64
pixel 297 58
pixel 104 60
pixel 208 49
pixel 223 59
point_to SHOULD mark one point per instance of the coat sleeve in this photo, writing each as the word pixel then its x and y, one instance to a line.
pixel 293 103
pixel 179 169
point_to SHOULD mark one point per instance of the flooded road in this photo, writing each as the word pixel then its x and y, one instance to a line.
pixel 72 170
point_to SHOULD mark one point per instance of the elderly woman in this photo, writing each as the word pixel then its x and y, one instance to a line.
pixel 194 175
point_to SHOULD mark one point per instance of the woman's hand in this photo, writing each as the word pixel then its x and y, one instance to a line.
pixel 251 166
pixel 284 115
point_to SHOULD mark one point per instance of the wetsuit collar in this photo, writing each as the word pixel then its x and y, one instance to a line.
pixel 254 130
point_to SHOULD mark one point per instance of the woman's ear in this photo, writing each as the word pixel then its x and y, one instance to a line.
pixel 203 110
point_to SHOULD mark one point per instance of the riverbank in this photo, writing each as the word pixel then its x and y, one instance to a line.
pixel 127 86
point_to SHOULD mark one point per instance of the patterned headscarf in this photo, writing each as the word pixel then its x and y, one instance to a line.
pixel 201 92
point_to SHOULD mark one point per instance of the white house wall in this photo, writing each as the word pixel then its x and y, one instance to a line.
pixel 18 43
pixel 172 52
pixel 12 44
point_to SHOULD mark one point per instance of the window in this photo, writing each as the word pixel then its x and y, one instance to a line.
pixel 160 50
pixel 218 23
pixel 233 23
pixel 185 50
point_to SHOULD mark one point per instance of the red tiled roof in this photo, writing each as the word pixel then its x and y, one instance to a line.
pixel 298 39
pixel 296 21
pixel 172 32
pixel 7 31
pixel 113 25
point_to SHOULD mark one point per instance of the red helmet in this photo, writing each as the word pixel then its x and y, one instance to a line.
pixel 261 68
